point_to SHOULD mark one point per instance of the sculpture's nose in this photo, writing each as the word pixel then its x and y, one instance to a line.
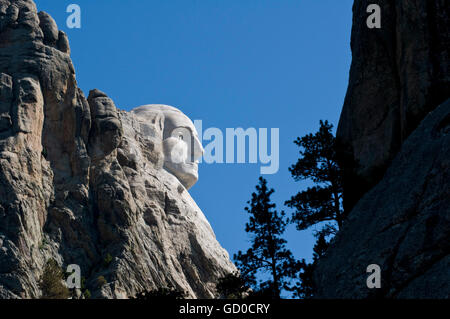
pixel 197 149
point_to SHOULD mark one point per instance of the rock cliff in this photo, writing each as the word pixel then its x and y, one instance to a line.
pixel 395 145
pixel 402 225
pixel 81 183
pixel 399 73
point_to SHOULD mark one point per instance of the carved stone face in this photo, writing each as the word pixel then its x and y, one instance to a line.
pixel 181 145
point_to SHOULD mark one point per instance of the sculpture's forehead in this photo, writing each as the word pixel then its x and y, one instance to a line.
pixel 177 119
pixel 149 110
pixel 173 117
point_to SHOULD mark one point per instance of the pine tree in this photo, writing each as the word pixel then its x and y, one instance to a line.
pixel 305 287
pixel 51 282
pixel 268 251
pixel 318 163
pixel 234 286
pixel 162 293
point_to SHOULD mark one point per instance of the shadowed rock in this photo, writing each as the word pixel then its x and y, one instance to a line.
pixel 399 78
pixel 399 73
pixel 402 225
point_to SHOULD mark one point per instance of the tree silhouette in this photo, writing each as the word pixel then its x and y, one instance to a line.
pixel 317 163
pixel 234 286
pixel 164 293
pixel 305 288
pixel 268 251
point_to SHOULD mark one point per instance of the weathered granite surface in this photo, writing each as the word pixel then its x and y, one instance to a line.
pixel 80 180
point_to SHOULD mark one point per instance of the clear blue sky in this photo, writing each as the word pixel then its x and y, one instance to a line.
pixel 231 63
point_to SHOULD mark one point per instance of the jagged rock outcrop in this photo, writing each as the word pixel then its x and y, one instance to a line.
pixel 402 225
pixel 399 73
pixel 80 181
pixel 397 171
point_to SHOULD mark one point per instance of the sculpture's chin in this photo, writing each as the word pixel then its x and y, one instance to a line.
pixel 186 173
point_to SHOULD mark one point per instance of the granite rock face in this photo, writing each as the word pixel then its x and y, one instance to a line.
pixel 81 183
pixel 399 73
pixel 394 135
pixel 402 225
